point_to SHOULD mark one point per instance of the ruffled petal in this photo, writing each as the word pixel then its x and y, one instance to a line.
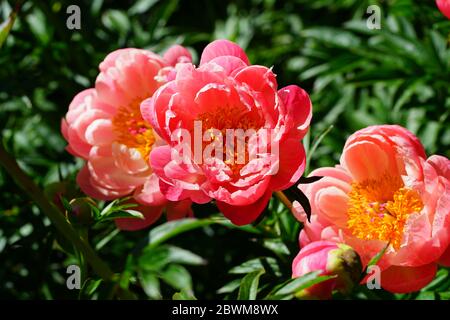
pixel 221 48
pixel 242 215
pixel 407 279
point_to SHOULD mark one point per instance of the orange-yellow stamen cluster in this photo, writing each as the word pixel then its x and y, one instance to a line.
pixel 379 209
pixel 234 118
pixel 132 130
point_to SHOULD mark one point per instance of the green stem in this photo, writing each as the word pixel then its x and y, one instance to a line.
pixel 55 216
pixel 7 25
pixel 282 197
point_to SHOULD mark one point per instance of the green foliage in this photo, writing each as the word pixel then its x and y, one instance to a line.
pixel 356 77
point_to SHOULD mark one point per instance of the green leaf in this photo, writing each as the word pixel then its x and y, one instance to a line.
pixel 267 263
pixel 177 277
pixel 127 273
pixel 155 259
pixel 184 295
pixel 141 6
pixel 427 295
pixel 317 142
pixel 123 214
pixel 6 26
pixel 276 245
pixel 116 20
pixel 295 285
pixel 333 37
pixel 150 284
pixel 89 287
pixel 444 295
pixel 440 281
pixel 230 286
pixel 378 256
pixel 249 285
pixel 118 204
pixel 171 229
pixel 430 135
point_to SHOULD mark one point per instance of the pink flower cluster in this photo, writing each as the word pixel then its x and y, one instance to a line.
pixel 226 92
pixel 124 127
pixel 163 131
pixel 384 193
pixel 104 127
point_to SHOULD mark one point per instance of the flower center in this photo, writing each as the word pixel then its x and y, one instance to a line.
pixel 379 209
pixel 231 118
pixel 132 130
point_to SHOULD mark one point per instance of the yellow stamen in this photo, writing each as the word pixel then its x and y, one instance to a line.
pixel 234 118
pixel 132 130
pixel 379 209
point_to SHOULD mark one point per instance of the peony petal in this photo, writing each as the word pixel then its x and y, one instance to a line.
pixel 444 7
pixel 441 165
pixel 100 132
pixel 242 215
pixel 368 159
pixel 177 54
pixel 129 160
pixel 299 107
pixel 104 170
pixel 149 193
pixel 89 187
pixel 332 204
pixel 230 64
pixel 159 158
pixel 151 215
pixel 444 260
pixel 407 279
pixel 220 48
pixel 178 210
pixel 292 161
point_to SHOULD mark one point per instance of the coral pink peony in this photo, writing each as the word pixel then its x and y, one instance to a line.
pixel 330 258
pixel 385 191
pixel 444 7
pixel 104 126
pixel 223 94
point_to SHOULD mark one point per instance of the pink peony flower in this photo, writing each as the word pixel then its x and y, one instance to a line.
pixel 444 7
pixel 385 191
pixel 227 93
pixel 330 258
pixel 104 127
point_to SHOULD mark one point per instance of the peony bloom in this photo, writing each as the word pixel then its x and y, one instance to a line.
pixel 444 7
pixel 330 258
pixel 227 94
pixel 385 191
pixel 104 127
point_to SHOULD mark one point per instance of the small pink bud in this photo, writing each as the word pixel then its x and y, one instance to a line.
pixel 332 259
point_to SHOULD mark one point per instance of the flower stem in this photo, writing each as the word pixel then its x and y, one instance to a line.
pixel 7 25
pixel 56 217
pixel 282 197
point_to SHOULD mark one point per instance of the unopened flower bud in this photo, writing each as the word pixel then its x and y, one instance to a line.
pixel 330 258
